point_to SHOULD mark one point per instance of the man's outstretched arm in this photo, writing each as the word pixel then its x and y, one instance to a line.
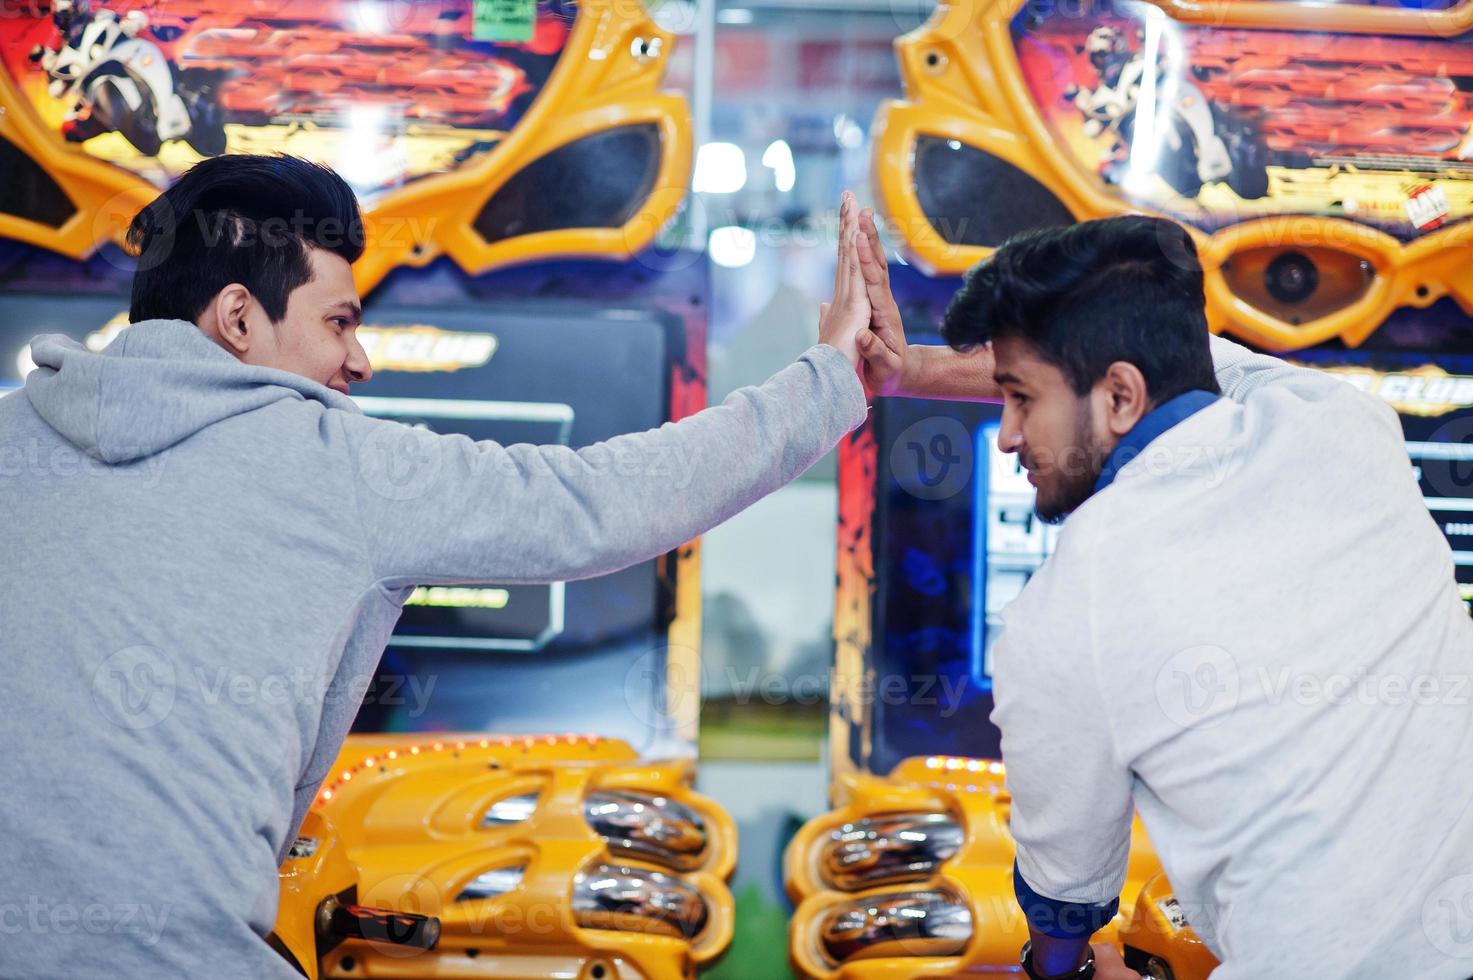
pixel 446 509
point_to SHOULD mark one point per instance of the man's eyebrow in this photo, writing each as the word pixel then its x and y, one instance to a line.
pixel 352 309
pixel 1004 378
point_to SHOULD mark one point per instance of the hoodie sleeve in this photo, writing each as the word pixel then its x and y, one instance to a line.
pixel 443 509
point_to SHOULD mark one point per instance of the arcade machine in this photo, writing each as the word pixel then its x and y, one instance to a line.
pixel 502 808
pixel 1319 154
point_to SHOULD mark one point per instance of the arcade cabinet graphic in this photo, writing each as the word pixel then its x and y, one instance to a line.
pixel 1320 157
pixel 502 808
pixel 490 140
pixel 1343 131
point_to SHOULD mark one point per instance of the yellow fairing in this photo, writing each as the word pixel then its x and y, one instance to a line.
pixel 963 82
pixel 608 77
pixel 980 873
pixel 1155 933
pixel 600 83
pixel 401 820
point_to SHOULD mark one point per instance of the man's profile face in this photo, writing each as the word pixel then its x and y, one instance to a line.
pixel 317 338
pixel 1052 429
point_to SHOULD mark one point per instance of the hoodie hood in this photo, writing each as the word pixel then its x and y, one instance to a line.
pixel 158 383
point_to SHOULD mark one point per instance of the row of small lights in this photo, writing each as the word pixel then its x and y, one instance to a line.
pixel 527 742
pixel 953 764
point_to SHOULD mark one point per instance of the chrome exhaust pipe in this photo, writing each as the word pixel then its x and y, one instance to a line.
pixel 921 923
pixel 889 849
pixel 626 899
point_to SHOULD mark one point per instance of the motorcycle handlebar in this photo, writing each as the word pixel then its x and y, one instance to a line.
pixel 378 925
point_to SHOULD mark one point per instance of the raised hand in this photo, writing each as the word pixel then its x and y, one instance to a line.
pixel 845 318
pixel 883 348
pixel 893 367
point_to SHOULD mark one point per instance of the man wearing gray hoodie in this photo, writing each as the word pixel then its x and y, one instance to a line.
pixel 203 496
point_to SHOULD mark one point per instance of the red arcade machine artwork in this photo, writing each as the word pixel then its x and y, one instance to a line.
pixel 1245 123
pixel 383 92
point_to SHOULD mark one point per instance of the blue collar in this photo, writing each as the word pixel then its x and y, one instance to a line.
pixel 1151 425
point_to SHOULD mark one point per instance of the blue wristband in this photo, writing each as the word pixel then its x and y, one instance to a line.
pixel 1061 920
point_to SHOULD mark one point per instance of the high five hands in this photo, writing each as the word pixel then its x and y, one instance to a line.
pixel 846 317
pixel 862 320
pixel 883 348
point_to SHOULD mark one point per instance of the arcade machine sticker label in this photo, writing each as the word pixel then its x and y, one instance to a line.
pixel 1217 125
pixel 385 93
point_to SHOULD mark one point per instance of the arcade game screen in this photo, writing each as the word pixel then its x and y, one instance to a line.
pixel 508 658
pixel 956 537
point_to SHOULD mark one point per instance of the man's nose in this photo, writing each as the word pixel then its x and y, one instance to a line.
pixel 357 366
pixel 1009 433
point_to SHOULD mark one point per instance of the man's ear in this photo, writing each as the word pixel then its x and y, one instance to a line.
pixel 229 310
pixel 1127 398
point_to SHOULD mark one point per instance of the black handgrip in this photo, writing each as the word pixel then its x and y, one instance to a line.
pixel 381 925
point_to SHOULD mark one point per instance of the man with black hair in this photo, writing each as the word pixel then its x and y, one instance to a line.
pixel 1249 631
pixel 205 560
pixel 257 252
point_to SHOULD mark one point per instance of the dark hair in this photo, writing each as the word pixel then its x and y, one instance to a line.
pixel 239 218
pixel 1088 295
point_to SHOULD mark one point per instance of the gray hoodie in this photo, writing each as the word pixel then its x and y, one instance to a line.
pixel 202 563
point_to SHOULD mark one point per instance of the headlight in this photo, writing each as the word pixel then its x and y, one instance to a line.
pixel 925 923
pixel 889 849
pixel 512 809
pixel 626 899
pixel 493 883
pixel 650 827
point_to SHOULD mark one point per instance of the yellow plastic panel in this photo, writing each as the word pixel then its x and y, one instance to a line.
pixel 971 791
pixel 400 819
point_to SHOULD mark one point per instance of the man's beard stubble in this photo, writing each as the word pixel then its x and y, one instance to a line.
pixel 1076 473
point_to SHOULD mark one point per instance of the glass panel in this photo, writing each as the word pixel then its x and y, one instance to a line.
pixel 974 198
pixel 28 191
pixel 599 181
